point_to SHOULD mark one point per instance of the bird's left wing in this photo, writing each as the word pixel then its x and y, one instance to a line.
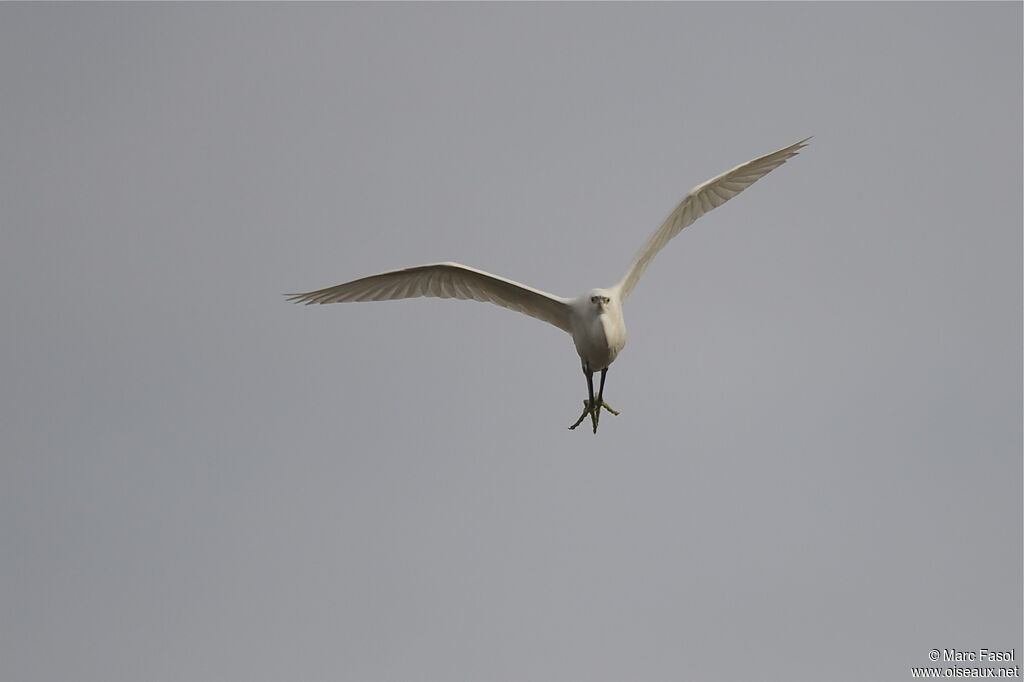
pixel 699 201
pixel 447 280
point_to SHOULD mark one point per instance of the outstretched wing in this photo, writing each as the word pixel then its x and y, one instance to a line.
pixel 446 280
pixel 699 201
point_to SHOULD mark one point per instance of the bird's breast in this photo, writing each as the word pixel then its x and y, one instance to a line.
pixel 599 339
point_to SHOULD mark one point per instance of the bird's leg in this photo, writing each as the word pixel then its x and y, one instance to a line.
pixel 589 405
pixel 600 397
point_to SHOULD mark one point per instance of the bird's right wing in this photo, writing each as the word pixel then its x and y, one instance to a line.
pixel 699 201
pixel 446 280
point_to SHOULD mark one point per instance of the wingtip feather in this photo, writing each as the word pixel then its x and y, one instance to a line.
pixel 302 299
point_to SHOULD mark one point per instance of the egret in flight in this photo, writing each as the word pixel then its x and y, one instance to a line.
pixel 594 320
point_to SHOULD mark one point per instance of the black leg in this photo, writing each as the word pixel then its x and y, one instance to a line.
pixel 590 382
pixel 593 407
pixel 600 400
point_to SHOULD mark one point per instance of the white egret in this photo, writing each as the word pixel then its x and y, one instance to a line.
pixel 594 320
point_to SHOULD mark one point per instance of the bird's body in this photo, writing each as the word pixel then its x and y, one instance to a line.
pixel 594 320
pixel 598 328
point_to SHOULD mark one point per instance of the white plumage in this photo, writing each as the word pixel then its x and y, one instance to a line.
pixel 594 320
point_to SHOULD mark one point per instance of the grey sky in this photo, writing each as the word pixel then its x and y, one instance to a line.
pixel 817 470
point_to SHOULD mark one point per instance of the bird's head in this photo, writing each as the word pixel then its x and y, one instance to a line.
pixel 601 299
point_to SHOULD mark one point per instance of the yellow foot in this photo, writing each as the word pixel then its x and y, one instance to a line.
pixel 586 411
pixel 595 413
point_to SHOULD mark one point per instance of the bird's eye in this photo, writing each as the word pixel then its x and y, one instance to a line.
pixel 606 299
pixel 593 299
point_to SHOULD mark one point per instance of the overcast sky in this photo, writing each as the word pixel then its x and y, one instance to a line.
pixel 816 474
